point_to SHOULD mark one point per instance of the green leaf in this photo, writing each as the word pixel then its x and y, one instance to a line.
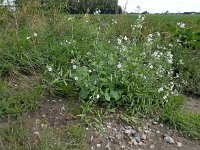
pixel 116 94
pixel 84 93
pixel 107 96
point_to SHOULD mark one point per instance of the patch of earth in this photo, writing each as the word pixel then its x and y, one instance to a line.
pixel 193 105
pixel 57 121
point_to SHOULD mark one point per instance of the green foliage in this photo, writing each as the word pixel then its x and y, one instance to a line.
pixel 189 54
pixel 186 122
pixel 17 103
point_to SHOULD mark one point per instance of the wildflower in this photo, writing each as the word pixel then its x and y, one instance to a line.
pixel 28 37
pixel 158 34
pixel 119 65
pixel 181 61
pixel 98 96
pixel 74 66
pixel 76 78
pixel 170 45
pixel 119 41
pixel 49 68
pixel 34 34
pixel 170 61
pixel 165 97
pixel 72 61
pixel 151 66
pixel 97 12
pixel 125 38
pixel 181 25
pixel 90 71
pixel 160 89
pixel 142 18
pixel 150 38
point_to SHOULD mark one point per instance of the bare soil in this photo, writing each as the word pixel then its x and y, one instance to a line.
pixel 111 133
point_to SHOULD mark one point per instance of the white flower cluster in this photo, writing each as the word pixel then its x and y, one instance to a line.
pixel 97 12
pixel 29 37
pixel 181 24
pixel 139 23
pixel 169 57
pixel 157 54
pixel 49 68
pixel 150 39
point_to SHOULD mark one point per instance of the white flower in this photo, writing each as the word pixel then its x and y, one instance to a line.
pixel 165 97
pixel 34 34
pixel 181 25
pixel 119 41
pixel 142 18
pixel 151 66
pixel 72 61
pixel 181 61
pixel 119 65
pixel 49 68
pixel 160 89
pixel 98 96
pixel 158 34
pixel 74 66
pixel 70 18
pixel 90 71
pixel 170 45
pixel 76 78
pixel 28 37
pixel 170 61
pixel 125 38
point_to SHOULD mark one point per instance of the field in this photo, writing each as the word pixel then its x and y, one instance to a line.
pixel 64 79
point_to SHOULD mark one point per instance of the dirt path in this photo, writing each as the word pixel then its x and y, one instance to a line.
pixel 57 118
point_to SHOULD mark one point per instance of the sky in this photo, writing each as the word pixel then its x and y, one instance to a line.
pixel 159 6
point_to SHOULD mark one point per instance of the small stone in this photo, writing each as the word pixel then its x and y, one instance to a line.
pixel 133 141
pixel 155 123
pixel 91 138
pixel 92 148
pixel 36 133
pixel 179 144
pixel 147 131
pixel 137 139
pixel 137 136
pixel 161 125
pixel 98 145
pixel 128 131
pixel 143 137
pixel 108 146
pixel 169 140
pixel 152 146
pixel 119 136
pixel 140 143
pixel 123 146
pixel 157 131
pixel 115 129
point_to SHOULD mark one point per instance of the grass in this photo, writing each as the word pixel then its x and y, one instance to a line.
pixel 186 122
pixel 19 136
pixel 59 48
